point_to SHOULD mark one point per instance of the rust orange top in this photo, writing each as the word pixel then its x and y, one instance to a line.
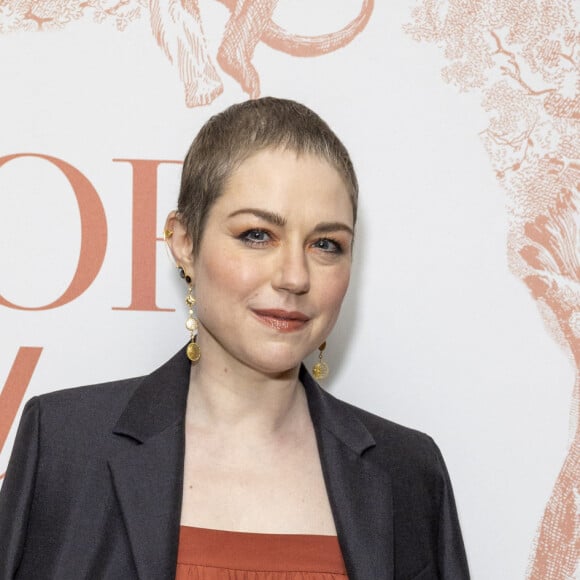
pixel 220 555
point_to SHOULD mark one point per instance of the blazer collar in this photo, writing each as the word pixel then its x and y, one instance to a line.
pixel 359 490
pixel 158 402
pixel 335 417
pixel 148 475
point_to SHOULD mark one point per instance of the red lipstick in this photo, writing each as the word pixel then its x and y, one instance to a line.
pixel 282 320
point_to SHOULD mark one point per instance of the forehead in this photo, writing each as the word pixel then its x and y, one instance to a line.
pixel 286 181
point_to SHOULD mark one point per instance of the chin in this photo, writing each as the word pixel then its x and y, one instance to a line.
pixel 276 363
pixel 275 368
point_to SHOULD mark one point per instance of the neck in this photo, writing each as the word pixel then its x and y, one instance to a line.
pixel 231 397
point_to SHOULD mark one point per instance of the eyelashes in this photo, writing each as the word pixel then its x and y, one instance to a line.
pixel 255 237
pixel 328 245
pixel 261 238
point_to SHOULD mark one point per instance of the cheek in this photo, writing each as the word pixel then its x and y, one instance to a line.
pixel 223 274
pixel 333 290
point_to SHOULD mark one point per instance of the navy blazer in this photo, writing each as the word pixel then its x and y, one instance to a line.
pixel 94 485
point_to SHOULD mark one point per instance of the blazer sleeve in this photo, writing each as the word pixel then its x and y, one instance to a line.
pixel 452 559
pixel 17 491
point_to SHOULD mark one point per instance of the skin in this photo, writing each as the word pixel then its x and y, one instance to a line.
pixel 278 239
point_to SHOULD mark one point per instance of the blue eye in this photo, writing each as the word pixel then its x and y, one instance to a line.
pixel 256 237
pixel 328 245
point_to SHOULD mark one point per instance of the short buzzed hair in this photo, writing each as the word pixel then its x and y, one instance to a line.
pixel 242 130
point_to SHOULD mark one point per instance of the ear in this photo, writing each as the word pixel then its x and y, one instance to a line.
pixel 179 243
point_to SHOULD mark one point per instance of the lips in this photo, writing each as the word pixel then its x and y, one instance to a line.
pixel 282 320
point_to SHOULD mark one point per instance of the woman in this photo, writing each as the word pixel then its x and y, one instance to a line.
pixel 229 461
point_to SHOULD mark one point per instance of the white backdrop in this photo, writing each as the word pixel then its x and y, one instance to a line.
pixel 436 333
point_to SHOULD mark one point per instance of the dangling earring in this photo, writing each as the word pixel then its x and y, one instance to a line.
pixel 193 351
pixel 183 275
pixel 320 370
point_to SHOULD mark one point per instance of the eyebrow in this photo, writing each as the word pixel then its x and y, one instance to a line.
pixel 328 227
pixel 278 220
pixel 269 216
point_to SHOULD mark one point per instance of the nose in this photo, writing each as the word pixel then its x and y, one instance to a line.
pixel 292 272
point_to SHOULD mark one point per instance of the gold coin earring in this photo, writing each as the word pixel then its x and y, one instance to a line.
pixel 320 370
pixel 193 351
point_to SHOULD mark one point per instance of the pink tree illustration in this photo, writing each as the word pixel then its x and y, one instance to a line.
pixel 179 30
pixel 523 58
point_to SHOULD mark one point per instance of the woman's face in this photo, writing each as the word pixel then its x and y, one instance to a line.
pixel 274 262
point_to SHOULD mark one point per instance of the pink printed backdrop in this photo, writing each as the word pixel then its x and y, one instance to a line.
pixel 462 119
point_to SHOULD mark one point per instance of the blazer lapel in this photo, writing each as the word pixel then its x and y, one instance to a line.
pixel 359 490
pixel 148 473
pixel 147 476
